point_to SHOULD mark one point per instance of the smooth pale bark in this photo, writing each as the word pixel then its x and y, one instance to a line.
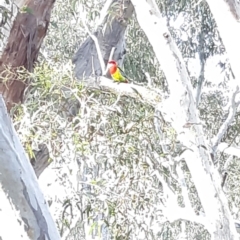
pixel 229 29
pixel 234 6
pixel 20 190
pixel 26 36
pixel 109 34
pixel 180 109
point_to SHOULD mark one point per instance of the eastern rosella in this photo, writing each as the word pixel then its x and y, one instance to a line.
pixel 116 72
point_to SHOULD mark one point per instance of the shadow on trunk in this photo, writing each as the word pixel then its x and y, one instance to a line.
pixel 110 34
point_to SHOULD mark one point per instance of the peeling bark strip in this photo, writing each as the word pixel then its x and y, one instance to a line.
pixel 109 34
pixel 26 36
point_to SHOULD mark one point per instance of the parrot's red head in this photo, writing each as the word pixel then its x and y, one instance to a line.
pixel 112 66
pixel 112 62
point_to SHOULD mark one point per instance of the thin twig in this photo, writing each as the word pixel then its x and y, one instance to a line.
pixel 100 188
pixel 110 58
pixel 118 99
pixel 150 82
pixel 100 57
pixel 111 54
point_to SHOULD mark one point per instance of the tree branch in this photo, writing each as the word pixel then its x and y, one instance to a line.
pixel 232 112
pixel 145 94
pixel 99 53
pixel 225 148
pixel 180 110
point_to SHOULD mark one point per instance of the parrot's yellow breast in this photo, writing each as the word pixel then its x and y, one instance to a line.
pixel 117 76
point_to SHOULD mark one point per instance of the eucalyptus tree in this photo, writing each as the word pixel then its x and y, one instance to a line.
pixel 139 160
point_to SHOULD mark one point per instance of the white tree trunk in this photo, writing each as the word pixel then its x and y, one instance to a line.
pixel 24 212
pixel 180 109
